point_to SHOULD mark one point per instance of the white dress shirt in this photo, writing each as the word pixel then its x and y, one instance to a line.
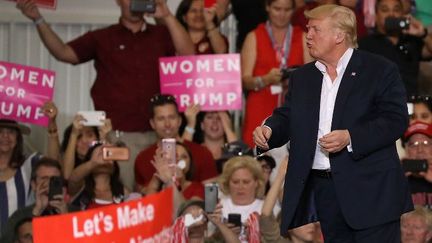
pixel 329 92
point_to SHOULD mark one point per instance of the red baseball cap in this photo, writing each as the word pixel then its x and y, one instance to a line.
pixel 418 127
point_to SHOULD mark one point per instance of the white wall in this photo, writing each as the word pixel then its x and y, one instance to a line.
pixel 19 43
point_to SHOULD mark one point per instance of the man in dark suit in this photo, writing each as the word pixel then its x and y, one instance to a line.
pixel 342 116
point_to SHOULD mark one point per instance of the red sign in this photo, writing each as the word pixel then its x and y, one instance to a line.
pixel 51 4
pixel 145 220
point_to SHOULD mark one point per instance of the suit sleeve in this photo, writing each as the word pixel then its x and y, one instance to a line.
pixel 388 120
pixel 279 121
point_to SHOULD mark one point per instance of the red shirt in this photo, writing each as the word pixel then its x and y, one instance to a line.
pixel 195 189
pixel 127 71
pixel 203 163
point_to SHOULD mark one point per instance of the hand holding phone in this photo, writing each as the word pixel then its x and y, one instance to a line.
pixel 93 118
pixel 414 165
pixel 169 150
pixel 210 197
pixel 235 219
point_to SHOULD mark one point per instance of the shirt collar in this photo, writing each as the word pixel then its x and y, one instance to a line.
pixel 342 63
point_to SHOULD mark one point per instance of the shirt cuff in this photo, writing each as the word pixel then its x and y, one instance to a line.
pixel 349 147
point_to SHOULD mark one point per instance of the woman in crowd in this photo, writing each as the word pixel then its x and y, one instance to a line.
pixel 184 232
pixel 242 184
pixel 211 129
pixel 16 167
pixel 416 226
pixel 422 109
pixel 182 171
pixel 202 27
pixel 77 139
pixel 267 54
pixel 101 179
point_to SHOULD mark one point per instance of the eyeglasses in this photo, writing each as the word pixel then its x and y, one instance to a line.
pixel 417 144
pixel 161 98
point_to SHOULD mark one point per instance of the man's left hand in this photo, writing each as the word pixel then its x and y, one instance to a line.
pixel 335 141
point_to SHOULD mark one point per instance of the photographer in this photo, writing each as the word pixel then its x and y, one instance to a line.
pixel 418 146
pixel 402 39
pixel 44 170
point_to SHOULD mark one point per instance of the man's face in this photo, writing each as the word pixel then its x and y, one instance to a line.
pixel 166 121
pixel 25 233
pixel 43 175
pixel 321 38
pixel 414 230
pixel 387 8
pixel 419 146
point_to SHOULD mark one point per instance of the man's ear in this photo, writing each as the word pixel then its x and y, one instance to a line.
pixel 340 37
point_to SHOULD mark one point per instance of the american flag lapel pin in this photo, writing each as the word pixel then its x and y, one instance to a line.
pixel 353 74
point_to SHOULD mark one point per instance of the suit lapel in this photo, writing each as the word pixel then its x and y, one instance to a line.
pixel 349 78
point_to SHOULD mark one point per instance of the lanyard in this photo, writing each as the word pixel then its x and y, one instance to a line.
pixel 284 50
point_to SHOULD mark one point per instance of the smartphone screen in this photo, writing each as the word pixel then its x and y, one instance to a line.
pixel 209 3
pixel 210 197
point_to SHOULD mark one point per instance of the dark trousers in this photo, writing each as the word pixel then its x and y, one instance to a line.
pixel 333 224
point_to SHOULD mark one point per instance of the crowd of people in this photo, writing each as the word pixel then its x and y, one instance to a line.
pixel 209 150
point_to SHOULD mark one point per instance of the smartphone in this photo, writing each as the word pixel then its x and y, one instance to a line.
pixel 415 165
pixel 115 153
pixel 396 24
pixel 93 118
pixel 143 6
pixel 235 219
pixel 169 149
pixel 210 197
pixel 209 3
pixel 55 187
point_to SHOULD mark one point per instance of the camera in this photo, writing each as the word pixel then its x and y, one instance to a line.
pixel 286 72
pixel 414 165
pixel 143 6
pixel 396 24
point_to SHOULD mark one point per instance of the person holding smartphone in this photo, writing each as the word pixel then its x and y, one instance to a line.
pixel 96 182
pixel 406 47
pixel 418 145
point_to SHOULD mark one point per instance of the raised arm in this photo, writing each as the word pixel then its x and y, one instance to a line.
pixel 217 41
pixel 50 39
pixel 181 39
pixel 69 155
pixel 227 126
pixel 50 110
pixel 190 113
pixel 273 193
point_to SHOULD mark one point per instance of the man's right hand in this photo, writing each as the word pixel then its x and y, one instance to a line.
pixel 261 135
pixel 29 9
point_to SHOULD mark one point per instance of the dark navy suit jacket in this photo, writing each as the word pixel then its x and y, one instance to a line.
pixel 371 103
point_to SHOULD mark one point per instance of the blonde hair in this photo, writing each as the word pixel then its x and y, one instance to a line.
pixel 341 17
pixel 420 212
pixel 242 162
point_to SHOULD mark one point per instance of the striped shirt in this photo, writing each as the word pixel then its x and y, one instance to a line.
pixel 15 192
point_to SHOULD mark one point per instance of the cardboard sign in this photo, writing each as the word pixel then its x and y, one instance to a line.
pixel 213 81
pixel 51 4
pixel 23 91
pixel 144 220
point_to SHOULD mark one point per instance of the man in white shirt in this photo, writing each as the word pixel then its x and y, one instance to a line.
pixel 342 116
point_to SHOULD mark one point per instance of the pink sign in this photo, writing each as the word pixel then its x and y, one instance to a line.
pixel 23 91
pixel 213 81
pixel 51 4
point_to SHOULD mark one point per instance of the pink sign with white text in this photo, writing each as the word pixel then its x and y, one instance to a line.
pixel 213 81
pixel 23 91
